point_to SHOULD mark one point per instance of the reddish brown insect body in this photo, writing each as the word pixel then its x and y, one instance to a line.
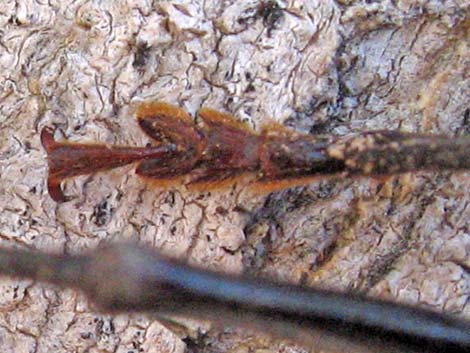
pixel 71 159
pixel 221 148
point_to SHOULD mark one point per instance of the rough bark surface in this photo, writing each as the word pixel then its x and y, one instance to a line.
pixel 318 66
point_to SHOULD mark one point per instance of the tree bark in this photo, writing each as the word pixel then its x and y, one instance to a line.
pixel 324 67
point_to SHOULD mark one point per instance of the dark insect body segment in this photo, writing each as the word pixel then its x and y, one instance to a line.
pixel 221 148
pixel 392 152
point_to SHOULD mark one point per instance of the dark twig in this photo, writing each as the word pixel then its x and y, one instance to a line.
pixel 124 278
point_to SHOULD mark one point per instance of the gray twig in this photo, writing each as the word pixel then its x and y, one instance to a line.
pixel 125 278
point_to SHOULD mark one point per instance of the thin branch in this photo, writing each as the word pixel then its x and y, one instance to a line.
pixel 125 278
